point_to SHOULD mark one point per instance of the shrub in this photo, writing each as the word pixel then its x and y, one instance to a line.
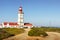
pixel 14 31
pixel 37 32
pixel 4 34
pixel 48 29
pixel 8 32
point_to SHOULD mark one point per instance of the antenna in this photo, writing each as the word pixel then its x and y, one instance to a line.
pixel 21 3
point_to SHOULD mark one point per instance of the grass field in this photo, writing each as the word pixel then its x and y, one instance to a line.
pixel 8 32
pixel 48 29
pixel 14 31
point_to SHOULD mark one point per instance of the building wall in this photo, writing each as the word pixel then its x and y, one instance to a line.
pixel 21 18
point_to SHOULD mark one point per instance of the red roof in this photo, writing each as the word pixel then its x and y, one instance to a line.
pixel 20 6
pixel 27 24
pixel 10 23
pixel 20 9
pixel 16 24
pixel 5 23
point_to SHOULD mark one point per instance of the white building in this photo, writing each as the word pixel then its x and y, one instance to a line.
pixel 20 17
pixel 20 23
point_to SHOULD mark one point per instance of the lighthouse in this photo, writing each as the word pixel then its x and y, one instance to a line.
pixel 19 24
pixel 20 17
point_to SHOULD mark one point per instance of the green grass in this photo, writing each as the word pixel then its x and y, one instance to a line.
pixel 14 31
pixel 37 32
pixel 8 32
pixel 48 29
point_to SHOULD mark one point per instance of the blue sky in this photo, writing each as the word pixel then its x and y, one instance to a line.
pixel 37 12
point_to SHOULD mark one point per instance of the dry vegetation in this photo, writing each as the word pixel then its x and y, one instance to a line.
pixel 48 29
pixel 8 32
pixel 52 34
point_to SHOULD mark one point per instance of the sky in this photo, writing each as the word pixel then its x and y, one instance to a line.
pixel 37 12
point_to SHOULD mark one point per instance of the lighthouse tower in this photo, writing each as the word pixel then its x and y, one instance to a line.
pixel 20 17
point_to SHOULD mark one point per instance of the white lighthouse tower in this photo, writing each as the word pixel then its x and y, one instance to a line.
pixel 20 17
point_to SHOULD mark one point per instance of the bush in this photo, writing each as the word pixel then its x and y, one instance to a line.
pixel 48 29
pixel 4 34
pixel 37 32
pixel 8 32
pixel 14 31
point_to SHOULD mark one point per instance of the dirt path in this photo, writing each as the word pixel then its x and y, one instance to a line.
pixel 24 36
pixel 53 36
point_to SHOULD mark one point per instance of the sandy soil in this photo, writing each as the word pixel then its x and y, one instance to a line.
pixel 52 36
pixel 24 36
